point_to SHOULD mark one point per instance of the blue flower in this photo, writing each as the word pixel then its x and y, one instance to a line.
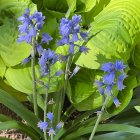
pixel 100 85
pixel 37 16
pixel 119 66
pixel 71 48
pixel 84 49
pixel 108 67
pixel 30 26
pixel 76 19
pixel 50 116
pixel 60 125
pixel 51 132
pixel 114 77
pixel 109 78
pixel 120 81
pixel 48 58
pixel 39 49
pixel 43 125
pixel 116 102
pixel 25 61
pixel 58 73
pixel 84 35
pixel 70 31
pixel 46 38
pixel 108 89
pixel 76 69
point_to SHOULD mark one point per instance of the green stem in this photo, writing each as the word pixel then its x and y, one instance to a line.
pixel 34 81
pixel 99 118
pixel 51 136
pixel 66 79
pixel 46 103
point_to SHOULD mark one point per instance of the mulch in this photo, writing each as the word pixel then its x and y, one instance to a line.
pixel 12 133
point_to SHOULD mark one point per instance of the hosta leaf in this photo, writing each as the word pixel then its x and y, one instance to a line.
pixel 115 31
pixel 137 108
pixel 125 95
pixel 136 56
pixel 6 87
pixel 85 5
pixel 83 94
pixel 2 68
pixel 20 78
pixel 11 52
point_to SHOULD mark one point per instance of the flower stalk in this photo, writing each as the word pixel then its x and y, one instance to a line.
pixel 46 102
pixel 99 117
pixel 34 81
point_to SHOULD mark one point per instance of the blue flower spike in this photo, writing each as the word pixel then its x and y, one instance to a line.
pixel 114 76
pixel 70 31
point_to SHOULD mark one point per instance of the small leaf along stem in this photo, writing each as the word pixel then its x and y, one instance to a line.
pixel 34 80
pixel 99 118
pixel 46 102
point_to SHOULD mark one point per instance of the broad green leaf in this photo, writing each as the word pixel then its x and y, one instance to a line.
pixel 12 52
pixel 83 95
pixel 136 56
pixel 4 118
pixel 16 125
pixel 125 95
pixel 117 136
pixel 20 78
pixel 50 25
pixel 6 87
pixel 115 31
pixel 137 108
pixel 104 128
pixel 85 5
pixel 14 105
pixel 2 68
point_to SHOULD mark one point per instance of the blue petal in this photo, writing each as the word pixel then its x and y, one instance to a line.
pixel 46 38
pixel 50 116
pixel 116 102
pixel 119 66
pixel 108 67
pixel 120 81
pixel 43 125
pixel 109 78
pixel 71 48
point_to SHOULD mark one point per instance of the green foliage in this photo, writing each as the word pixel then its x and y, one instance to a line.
pixel 114 29
pixel 22 112
pixel 12 52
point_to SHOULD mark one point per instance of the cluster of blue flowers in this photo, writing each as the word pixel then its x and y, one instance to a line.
pixel 70 31
pixel 44 126
pixel 29 30
pixel 48 58
pixel 114 77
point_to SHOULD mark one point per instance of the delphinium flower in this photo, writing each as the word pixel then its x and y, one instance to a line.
pixel 70 31
pixel 114 76
pixel 47 126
